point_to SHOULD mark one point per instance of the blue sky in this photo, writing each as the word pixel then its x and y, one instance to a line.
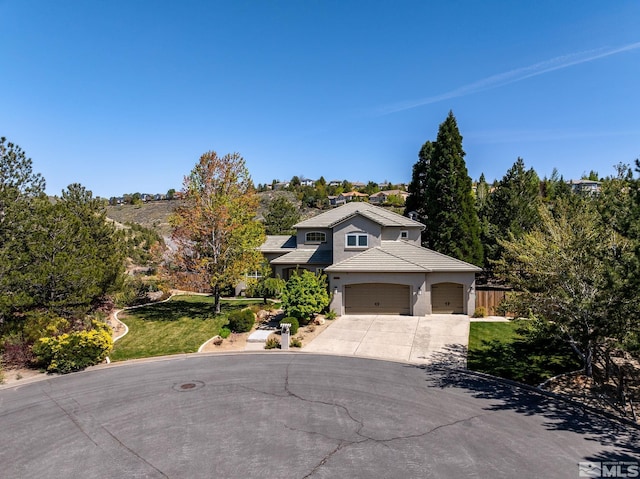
pixel 125 95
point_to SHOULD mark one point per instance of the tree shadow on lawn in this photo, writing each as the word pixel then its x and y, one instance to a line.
pixel 528 360
pixel 176 309
pixel 558 414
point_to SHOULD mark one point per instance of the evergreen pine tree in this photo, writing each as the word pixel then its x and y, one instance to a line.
pixel 415 203
pixel 448 210
pixel 512 208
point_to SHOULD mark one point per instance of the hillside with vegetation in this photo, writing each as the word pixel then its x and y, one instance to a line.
pixel 151 214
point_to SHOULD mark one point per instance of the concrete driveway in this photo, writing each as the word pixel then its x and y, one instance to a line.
pixel 439 338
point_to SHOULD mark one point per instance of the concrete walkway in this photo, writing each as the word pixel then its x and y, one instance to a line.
pixel 436 339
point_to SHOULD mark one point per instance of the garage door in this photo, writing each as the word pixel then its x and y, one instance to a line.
pixel 377 298
pixel 447 298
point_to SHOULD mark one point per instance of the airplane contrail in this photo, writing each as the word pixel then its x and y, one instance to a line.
pixel 512 76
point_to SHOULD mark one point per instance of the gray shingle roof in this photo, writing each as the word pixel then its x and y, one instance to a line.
pixel 402 257
pixel 380 215
pixel 278 243
pixel 305 256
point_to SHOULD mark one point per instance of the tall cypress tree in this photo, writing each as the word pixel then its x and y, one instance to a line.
pixel 418 186
pixel 447 205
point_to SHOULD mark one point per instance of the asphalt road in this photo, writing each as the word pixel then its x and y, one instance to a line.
pixel 280 415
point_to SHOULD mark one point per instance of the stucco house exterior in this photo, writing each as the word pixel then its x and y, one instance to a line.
pixel 374 263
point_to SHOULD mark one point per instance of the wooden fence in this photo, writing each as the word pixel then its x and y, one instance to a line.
pixel 490 299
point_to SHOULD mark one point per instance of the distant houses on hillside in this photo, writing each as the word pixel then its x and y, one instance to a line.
pixel 384 193
pixel 340 192
pixel 135 198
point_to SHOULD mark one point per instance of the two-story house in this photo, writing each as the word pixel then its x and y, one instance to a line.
pixel 374 263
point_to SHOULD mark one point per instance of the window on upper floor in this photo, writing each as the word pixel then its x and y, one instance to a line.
pixel 357 240
pixel 404 234
pixel 315 237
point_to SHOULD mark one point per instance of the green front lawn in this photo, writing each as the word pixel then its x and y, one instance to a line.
pixel 501 350
pixel 180 325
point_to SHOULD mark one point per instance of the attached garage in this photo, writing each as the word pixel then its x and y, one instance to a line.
pixel 447 298
pixel 377 298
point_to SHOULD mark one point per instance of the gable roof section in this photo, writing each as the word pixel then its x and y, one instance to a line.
pixel 379 215
pixel 402 257
pixel 278 244
pixel 304 256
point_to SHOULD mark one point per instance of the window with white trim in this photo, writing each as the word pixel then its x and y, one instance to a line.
pixel 357 240
pixel 404 234
pixel 315 237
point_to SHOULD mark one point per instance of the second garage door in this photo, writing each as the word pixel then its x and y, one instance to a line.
pixel 377 298
pixel 447 298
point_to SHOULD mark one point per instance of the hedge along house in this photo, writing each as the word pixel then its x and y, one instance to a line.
pixel 375 263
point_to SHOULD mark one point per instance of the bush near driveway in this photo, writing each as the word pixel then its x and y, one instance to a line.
pixel 241 321
pixel 305 293
pixel 293 322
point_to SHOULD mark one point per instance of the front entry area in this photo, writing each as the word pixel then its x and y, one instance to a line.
pixel 377 298
pixel 447 298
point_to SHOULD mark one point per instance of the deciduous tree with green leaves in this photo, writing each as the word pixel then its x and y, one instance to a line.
pixel 567 274
pixel 215 229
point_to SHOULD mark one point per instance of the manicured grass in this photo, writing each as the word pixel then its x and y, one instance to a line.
pixel 180 325
pixel 505 350
pixel 482 333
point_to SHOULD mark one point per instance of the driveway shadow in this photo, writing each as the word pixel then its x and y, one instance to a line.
pixel 452 356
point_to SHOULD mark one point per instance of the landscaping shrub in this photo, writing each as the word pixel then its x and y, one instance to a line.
pixel 74 351
pixel 40 324
pixel 225 333
pixel 134 292
pixel 330 315
pixel 272 343
pixel 270 306
pixel 480 312
pixel 242 320
pixel 295 343
pixel 16 351
pixel 305 293
pixel 266 287
pixel 294 324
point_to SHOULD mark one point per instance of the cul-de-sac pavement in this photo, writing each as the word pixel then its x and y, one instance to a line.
pixel 292 415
